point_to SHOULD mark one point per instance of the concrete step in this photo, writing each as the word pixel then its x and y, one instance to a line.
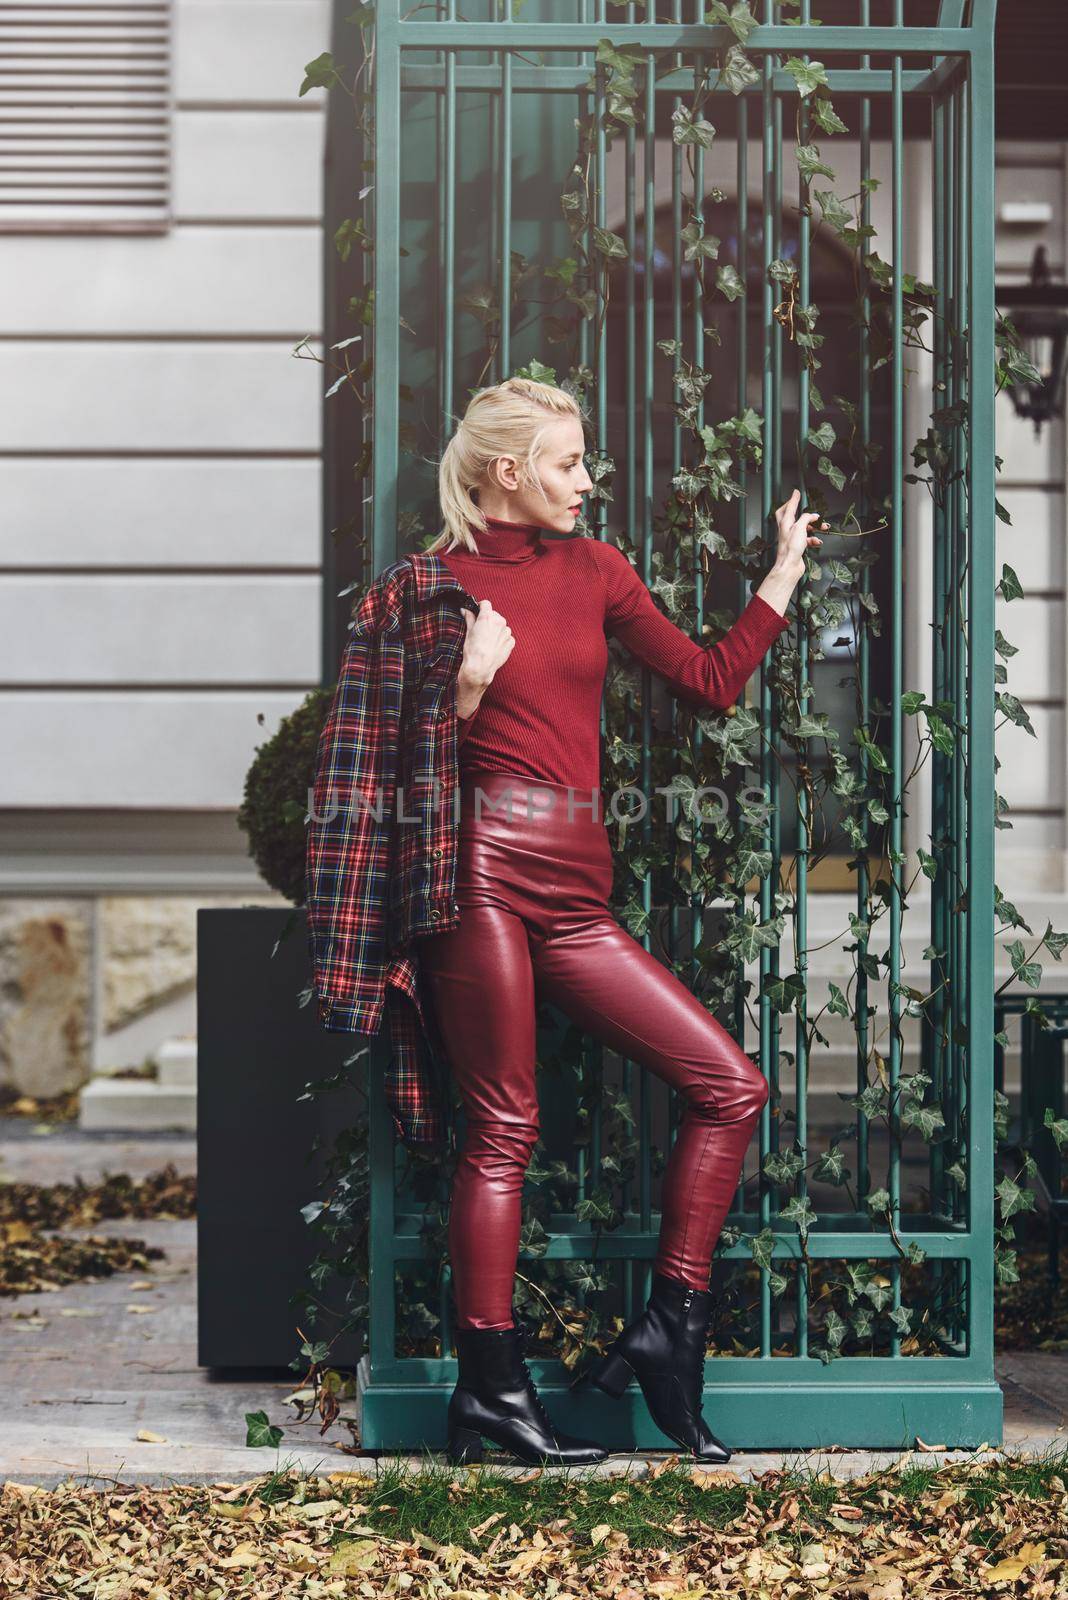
pixel 110 1104
pixel 176 1061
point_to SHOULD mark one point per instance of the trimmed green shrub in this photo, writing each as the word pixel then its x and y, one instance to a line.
pixel 274 807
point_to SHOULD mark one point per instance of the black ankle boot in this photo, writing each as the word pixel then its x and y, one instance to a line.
pixel 495 1396
pixel 664 1349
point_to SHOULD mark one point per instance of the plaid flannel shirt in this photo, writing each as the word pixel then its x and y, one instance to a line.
pixel 382 839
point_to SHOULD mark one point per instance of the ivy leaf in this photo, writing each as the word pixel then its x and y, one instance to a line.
pixel 808 75
pixel 880 1293
pixel 583 1277
pixel 837 215
pixel 1005 1266
pixel 1058 1126
pixel 1013 1198
pixel 738 72
pixel 596 1208
pixel 750 863
pixel 729 283
pixel 689 127
pixel 871 1101
pixel 878 1202
pixel 826 117
pixel 783 1166
pixel 1010 586
pixel 838 1006
pixel 941 736
pixel 534 1241
pixel 748 937
pixel 809 163
pixel 927 1118
pixel 261 1433
pixel 698 243
pixel 784 992
pixel 1029 972
pixel 761 1245
pixel 862 1322
pixel 320 73
pixel 609 244
pixel 799 1209
pixel 1015 711
pixel 537 373
pixel 831 1167
pixel 821 438
pixel 835 1328
pixel 829 470
pixel 739 19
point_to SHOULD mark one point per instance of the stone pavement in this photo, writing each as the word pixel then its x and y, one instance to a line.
pixel 86 1367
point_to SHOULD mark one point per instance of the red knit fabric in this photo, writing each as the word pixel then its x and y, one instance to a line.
pixel 563 597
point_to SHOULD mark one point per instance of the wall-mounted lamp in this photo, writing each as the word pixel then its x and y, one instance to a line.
pixel 1039 312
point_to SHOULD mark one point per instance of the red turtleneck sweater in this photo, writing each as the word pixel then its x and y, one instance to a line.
pixel 563 598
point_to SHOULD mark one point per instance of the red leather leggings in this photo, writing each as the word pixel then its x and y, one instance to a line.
pixel 535 924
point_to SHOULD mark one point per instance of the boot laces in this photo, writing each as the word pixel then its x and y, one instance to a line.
pixel 521 1336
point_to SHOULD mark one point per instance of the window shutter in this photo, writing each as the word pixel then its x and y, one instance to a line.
pixel 85 116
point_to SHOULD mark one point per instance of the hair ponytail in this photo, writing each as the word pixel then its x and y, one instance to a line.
pixel 508 418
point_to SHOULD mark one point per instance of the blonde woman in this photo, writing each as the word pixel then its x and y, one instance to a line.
pixel 534 873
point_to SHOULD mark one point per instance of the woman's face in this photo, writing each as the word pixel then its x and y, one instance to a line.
pixel 562 475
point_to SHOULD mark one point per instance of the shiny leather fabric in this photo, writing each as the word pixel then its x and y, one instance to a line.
pixel 533 889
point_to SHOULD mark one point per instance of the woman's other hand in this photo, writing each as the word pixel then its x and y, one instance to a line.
pixel 488 644
pixel 794 541
pixel 794 537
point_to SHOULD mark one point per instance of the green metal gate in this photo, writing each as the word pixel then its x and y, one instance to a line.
pixel 474 129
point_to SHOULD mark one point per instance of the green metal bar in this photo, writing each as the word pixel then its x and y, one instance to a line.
pixel 962 613
pixel 676 462
pixel 801 857
pixel 981 624
pixel 449 243
pixel 858 1241
pixel 386 90
pixel 863 644
pixel 897 449
pixel 505 139
pixel 938 971
pixel 547 79
pixel 778 431
pixel 421 35
pixel 648 417
pixel 742 400
pixel 768 1058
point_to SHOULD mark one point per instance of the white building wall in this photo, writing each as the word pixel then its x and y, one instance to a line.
pixel 160 534
pixel 159 486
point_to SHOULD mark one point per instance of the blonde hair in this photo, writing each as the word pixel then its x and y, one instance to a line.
pixel 506 419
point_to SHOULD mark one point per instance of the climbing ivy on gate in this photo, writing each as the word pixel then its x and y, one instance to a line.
pixel 702 858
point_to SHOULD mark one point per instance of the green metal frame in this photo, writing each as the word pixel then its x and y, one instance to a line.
pixel 790 1401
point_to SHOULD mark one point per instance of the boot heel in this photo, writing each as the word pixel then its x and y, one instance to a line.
pixel 465 1444
pixel 611 1373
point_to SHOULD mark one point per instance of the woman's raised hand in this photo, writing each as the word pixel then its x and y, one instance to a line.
pixel 794 537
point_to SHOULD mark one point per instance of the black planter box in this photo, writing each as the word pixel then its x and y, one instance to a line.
pixel 257 1047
